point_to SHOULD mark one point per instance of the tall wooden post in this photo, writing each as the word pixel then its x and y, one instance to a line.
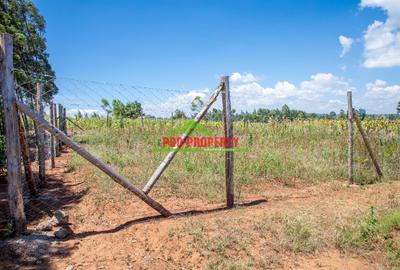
pixel 350 136
pixel 60 123
pixel 56 141
pixel 52 138
pixel 65 120
pixel 40 134
pixel 15 199
pixel 228 128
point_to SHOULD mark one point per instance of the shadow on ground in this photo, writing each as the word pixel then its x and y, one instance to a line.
pixel 160 217
pixel 34 250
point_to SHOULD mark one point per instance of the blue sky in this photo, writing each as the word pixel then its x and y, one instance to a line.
pixel 276 51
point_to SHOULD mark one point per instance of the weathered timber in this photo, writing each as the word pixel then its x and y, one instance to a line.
pixel 99 164
pixel 228 129
pixel 52 138
pixel 367 144
pixel 15 199
pixel 161 168
pixel 26 160
pixel 350 137
pixel 40 135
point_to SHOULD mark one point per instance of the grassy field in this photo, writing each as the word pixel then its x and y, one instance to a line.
pixel 308 150
pixel 306 216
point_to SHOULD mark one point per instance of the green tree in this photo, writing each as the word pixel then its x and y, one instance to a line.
pixel 105 105
pixel 178 114
pixel 197 105
pixel 118 108
pixel 133 110
pixel 78 115
pixel 22 20
pixel 398 108
pixel 215 115
pixel 286 111
pixel 342 114
pixel 362 113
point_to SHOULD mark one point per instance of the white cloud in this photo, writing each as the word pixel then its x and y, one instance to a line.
pixel 346 43
pixel 181 101
pixel 381 89
pixel 321 93
pixel 236 77
pixel 380 97
pixel 382 39
pixel 312 95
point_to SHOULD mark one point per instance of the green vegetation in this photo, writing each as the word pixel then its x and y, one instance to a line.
pixel 308 150
pixel 22 20
pixel 374 233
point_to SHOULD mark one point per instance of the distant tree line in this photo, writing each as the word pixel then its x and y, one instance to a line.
pixel 285 113
pixel 133 110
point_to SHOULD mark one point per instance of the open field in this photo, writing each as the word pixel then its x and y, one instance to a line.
pixel 310 151
pixel 294 207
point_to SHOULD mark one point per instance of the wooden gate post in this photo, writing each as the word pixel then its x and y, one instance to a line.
pixel 350 137
pixel 228 128
pixel 41 138
pixel 15 199
pixel 52 138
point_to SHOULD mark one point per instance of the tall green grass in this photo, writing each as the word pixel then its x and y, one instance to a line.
pixel 305 150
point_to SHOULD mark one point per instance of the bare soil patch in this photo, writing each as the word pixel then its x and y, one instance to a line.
pixel 278 226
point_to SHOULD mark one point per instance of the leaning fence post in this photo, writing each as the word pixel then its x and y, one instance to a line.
pixel 25 158
pixel 15 199
pixel 41 139
pixel 167 160
pixel 52 138
pixel 85 154
pixel 350 136
pixel 228 128
pixel 367 144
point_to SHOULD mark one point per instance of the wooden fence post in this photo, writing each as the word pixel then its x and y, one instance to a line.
pixel 56 141
pixel 350 137
pixel 52 138
pixel 40 134
pixel 228 128
pixel 15 199
pixel 367 144
pixel 26 160
pixel 60 123
pixel 65 120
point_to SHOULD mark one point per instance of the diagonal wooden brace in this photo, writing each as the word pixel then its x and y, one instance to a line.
pixel 161 168
pixel 99 164
pixel 367 144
